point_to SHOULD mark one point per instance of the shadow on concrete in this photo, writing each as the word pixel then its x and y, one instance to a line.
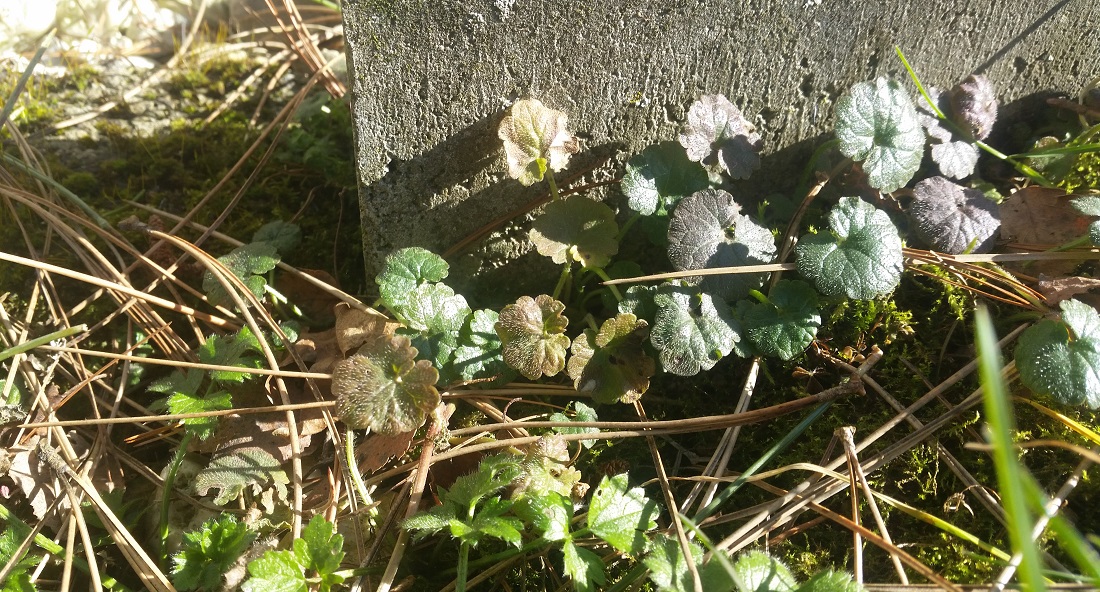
pixel 1027 32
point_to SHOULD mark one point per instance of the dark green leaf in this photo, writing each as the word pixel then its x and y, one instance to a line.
pixel 621 515
pixel 584 567
pixel 717 131
pixel 18 579
pixel 708 230
pixel 859 258
pixel 245 468
pixel 497 527
pixel 761 572
pixel 787 323
pixel 692 330
pixel 383 386
pixel 250 263
pixel 406 269
pixel 275 571
pixel 206 554
pixel 535 139
pixel 951 218
pixel 583 413
pixel 615 366
pixel 576 229
pixel 232 350
pixel 877 124
pixel 659 176
pixel 638 301
pixel 668 566
pixel 1062 359
pixel 284 236
pixel 479 350
pixel 532 335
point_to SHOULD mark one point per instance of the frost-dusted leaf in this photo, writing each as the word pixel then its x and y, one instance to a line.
pixel 1094 232
pixel 787 323
pixel 621 515
pixel 1062 359
pixel 956 156
pixel 535 139
pixel 708 230
pixel 576 229
pixel 860 257
pixel 668 568
pixel 1088 205
pixel 584 567
pixel 583 413
pixel 406 269
pixel 284 236
pixel 952 219
pixel 659 176
pixel 830 581
pixel 877 124
pixel 692 330
pixel 638 301
pixel 532 334
pixel 614 366
pixel 716 130
pixel 760 572
pixel 479 350
pixel 384 388
pixel 550 513
pixel 250 263
pixel 974 105
pixel 244 468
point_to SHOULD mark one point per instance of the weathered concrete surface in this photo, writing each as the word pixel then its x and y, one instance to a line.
pixel 432 79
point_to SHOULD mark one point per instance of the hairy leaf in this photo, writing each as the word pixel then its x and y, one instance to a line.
pixel 621 515
pixel 583 413
pixel 952 219
pixel 545 467
pixel 245 468
pixel 708 230
pixel 638 301
pixel 830 581
pixel 532 334
pixel 716 128
pixel 479 350
pixel 668 568
pixel 1088 205
pixel 275 571
pixel 535 139
pixel 284 236
pixel 974 105
pixel 232 350
pixel 1062 359
pixel 250 263
pixel 659 176
pixel 761 572
pixel 692 330
pixel 860 257
pixel 787 323
pixel 956 156
pixel 406 269
pixel 614 366
pixel 384 388
pixel 550 513
pixel 201 427
pixel 877 124
pixel 584 567
pixel 576 229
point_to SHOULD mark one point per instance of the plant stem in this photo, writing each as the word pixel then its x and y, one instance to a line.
pixel 554 194
pixel 29 345
pixel 603 276
pixel 166 495
pixel 626 226
pixel 563 280
pixel 463 566
pixel 356 478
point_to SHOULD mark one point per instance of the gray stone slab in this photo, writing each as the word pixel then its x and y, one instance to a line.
pixel 431 80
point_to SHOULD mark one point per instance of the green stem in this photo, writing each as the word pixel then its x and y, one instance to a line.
pixel 626 226
pixel 563 280
pixel 510 553
pixel 554 194
pixel 356 478
pixel 29 345
pixel 603 276
pixel 463 567
pixel 47 545
pixel 166 494
pixel 757 294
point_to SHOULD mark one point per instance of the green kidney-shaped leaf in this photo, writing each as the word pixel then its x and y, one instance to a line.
pixel 692 330
pixel 658 177
pixel 406 269
pixel 613 365
pixel 708 230
pixel 621 515
pixel 250 263
pixel 787 323
pixel 383 386
pixel 479 350
pixel 1062 359
pixel 284 236
pixel 859 258
pixel 716 130
pixel 535 139
pixel 760 572
pixel 952 218
pixel 532 334
pixel 578 229
pixel 877 124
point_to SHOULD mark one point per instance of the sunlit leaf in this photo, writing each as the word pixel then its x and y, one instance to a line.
pixel 830 581
pixel 717 131
pixel 955 155
pixel 787 323
pixel 383 386
pixel 250 468
pixel 549 512
pixel 708 230
pixel 858 257
pixel 692 330
pixel 250 263
pixel 659 176
pixel 406 269
pixel 583 413
pixel 974 105
pixel 584 567
pixel 877 124
pixel 535 139
pixel 614 366
pixel 207 553
pixel 1062 358
pixel 952 219
pixel 576 229
pixel 621 515
pixel 479 350
pixel 532 333
pixel 668 568
pixel 761 572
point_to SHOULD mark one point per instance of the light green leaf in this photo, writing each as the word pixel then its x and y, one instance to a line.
pixel 621 515
pixel 659 176
pixel 830 581
pixel 584 568
pixel 860 257
pixel 1062 358
pixel 877 124
pixel 250 263
pixel 692 330
pixel 275 571
pixel 761 572
pixel 383 386
pixel 206 554
pixel 787 323
pixel 406 269
pixel 576 229
pixel 532 334
pixel 550 513
pixel 583 413
pixel 321 550
pixel 202 427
